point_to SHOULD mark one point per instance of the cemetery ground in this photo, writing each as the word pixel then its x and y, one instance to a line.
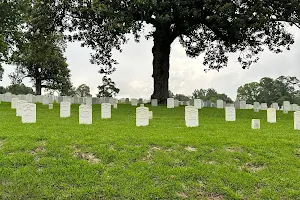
pixel 113 159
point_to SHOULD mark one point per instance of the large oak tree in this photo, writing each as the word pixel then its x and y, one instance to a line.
pixel 213 28
pixel 40 56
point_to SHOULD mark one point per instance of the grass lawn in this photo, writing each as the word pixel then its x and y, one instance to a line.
pixel 113 159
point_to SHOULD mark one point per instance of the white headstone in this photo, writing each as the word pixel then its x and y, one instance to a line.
pixel 154 102
pixel 275 105
pixel 255 124
pixel 65 109
pixel 142 105
pixel 198 103
pixel 134 102
pixel 29 98
pixel 294 107
pixel 170 103
pixel 115 106
pixel 271 115
pixel 230 114
pixel 150 115
pixel 286 106
pixel 243 104
pixel 45 100
pixel 88 101
pixel 29 113
pixel 50 106
pixel 105 111
pixel 297 120
pixel 142 116
pixel 264 106
pixel 67 99
pixel 14 103
pixel 191 116
pixel 85 114
pixel 19 110
pixel 220 103
pixel 256 106
pixel 187 103
pixel 176 103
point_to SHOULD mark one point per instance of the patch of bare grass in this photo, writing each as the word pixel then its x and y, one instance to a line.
pixel 90 157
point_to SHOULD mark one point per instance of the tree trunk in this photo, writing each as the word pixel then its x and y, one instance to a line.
pixel 161 65
pixel 38 87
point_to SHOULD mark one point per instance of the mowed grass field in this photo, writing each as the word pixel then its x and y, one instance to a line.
pixel 113 159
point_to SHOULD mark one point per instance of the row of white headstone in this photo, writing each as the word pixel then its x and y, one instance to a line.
pixel 28 113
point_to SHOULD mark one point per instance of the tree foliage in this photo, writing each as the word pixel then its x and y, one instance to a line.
pixel 12 16
pixel 108 88
pixel 83 91
pixel 210 94
pixel 19 89
pixel 204 27
pixel 40 55
pixel 268 90
pixel 182 97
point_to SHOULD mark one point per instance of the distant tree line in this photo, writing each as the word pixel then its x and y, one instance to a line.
pixel 268 90
pixel 209 94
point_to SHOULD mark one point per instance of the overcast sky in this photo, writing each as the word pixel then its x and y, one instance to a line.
pixel 133 75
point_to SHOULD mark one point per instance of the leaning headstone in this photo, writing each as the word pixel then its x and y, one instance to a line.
pixel 134 102
pixel 191 116
pixel 150 115
pixel 230 114
pixel 271 115
pixel 220 103
pixel 255 124
pixel 256 106
pixel 297 120
pixel 154 102
pixel 142 116
pixel 65 109
pixel 264 106
pixel 85 114
pixel 14 102
pixel 198 103
pixel 50 106
pixel 105 111
pixel 29 113
pixel 19 109
pixel 170 103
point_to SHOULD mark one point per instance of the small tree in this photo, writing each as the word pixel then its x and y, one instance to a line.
pixel 19 89
pixel 83 91
pixel 108 88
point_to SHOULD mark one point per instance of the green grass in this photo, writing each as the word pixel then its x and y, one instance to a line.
pixel 113 159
